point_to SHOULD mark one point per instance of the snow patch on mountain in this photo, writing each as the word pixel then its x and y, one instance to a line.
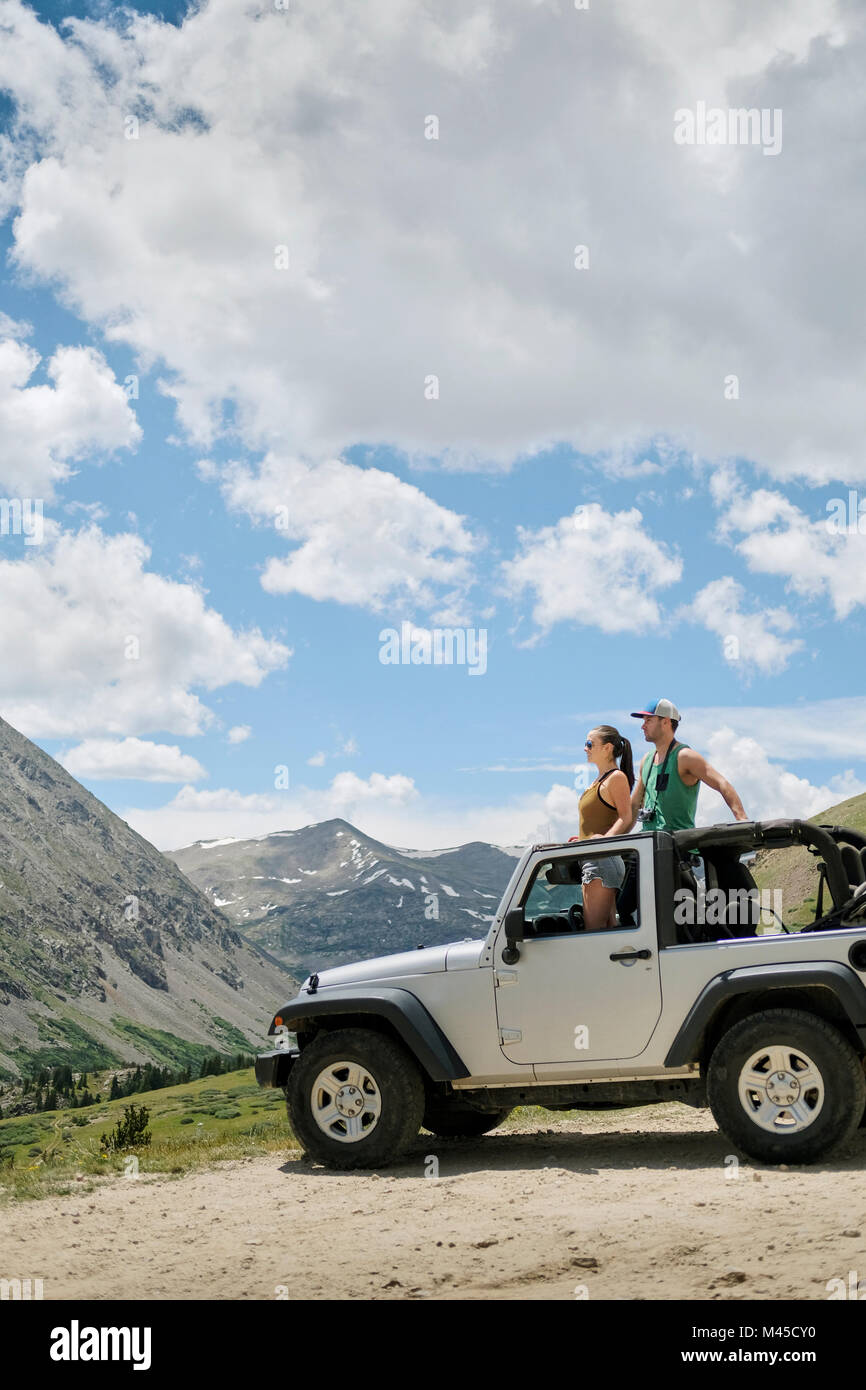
pixel 425 853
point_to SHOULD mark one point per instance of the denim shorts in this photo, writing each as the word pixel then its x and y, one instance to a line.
pixel 610 870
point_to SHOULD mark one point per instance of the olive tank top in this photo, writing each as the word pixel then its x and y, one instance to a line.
pixel 596 817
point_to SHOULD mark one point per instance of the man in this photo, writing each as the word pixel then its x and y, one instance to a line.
pixel 665 795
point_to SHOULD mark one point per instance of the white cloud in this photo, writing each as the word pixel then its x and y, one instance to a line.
pixel 830 730
pixel 768 790
pixel 593 568
pixel 239 734
pixel 14 328
pixel 454 257
pixel 317 760
pixel 200 815
pixel 103 759
pixel 750 641
pixel 349 790
pixel 47 428
pixel 104 645
pixel 365 537
pixel 821 558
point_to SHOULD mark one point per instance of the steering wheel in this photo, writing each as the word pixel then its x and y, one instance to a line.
pixel 548 924
pixel 575 917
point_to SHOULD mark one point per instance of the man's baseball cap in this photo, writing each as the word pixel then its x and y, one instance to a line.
pixel 663 709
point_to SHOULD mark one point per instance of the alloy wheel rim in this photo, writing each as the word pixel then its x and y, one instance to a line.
pixel 346 1102
pixel 781 1089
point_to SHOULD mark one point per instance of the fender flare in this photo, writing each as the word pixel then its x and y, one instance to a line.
pixel 832 975
pixel 413 1023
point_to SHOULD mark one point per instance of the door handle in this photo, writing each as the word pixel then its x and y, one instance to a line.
pixel 632 955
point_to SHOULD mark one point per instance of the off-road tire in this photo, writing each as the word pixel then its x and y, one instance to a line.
pixel 454 1119
pixel 399 1085
pixel 836 1065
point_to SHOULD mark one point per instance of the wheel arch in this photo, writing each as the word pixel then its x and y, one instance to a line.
pixel 829 990
pixel 395 1012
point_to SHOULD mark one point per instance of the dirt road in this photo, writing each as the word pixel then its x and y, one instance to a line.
pixel 637 1205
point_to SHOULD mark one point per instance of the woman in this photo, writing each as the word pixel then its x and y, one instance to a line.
pixel 605 810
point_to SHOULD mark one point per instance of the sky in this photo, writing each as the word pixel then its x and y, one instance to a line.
pixel 323 320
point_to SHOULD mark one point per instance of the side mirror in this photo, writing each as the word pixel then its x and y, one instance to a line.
pixel 514 929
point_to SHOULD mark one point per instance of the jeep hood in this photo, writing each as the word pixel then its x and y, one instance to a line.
pixel 460 955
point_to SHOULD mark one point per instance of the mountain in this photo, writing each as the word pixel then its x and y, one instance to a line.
pixel 328 894
pixel 107 952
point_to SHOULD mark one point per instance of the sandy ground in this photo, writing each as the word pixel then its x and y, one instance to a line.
pixel 636 1205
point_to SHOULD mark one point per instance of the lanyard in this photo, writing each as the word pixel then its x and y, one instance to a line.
pixel 661 777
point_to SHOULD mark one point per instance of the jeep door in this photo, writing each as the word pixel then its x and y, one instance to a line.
pixel 576 996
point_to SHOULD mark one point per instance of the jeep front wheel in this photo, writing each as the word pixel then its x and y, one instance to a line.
pixel 786 1086
pixel 355 1099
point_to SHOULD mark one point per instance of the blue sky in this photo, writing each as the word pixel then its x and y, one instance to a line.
pixel 581 489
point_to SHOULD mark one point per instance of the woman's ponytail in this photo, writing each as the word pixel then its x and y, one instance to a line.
pixel 621 749
pixel 626 762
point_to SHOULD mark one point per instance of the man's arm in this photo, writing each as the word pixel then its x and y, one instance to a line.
pixel 692 763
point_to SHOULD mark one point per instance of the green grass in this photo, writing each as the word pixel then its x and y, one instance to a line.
pixel 232 1038
pixel 79 1050
pixel 201 1122
pixel 166 1049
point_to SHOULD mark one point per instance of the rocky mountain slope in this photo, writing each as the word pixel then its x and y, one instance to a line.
pixel 327 894
pixel 107 952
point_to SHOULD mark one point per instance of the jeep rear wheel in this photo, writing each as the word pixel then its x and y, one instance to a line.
pixel 355 1099
pixel 786 1086
pixel 455 1119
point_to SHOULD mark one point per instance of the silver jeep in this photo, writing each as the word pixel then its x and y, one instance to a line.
pixel 700 993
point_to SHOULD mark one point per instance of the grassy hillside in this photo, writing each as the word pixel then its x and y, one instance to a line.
pixel 218 1117
pixel 794 870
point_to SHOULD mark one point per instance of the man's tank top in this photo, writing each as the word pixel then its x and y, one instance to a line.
pixel 596 817
pixel 674 808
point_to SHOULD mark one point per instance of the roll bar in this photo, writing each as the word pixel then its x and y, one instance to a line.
pixel 752 835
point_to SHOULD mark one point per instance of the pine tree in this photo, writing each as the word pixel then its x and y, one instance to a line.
pixel 115 1092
